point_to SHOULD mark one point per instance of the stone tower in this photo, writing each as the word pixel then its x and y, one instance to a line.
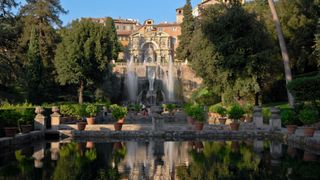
pixel 179 15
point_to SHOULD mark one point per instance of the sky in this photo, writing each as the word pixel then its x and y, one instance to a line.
pixel 158 10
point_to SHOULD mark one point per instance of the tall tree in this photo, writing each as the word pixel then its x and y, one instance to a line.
pixel 43 15
pixel 317 45
pixel 234 52
pixel 114 43
pixel 283 47
pixel 34 69
pixel 187 28
pixel 82 57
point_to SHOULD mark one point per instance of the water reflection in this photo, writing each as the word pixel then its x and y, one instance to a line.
pixel 255 159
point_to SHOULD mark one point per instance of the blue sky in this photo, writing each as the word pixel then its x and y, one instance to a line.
pixel 159 10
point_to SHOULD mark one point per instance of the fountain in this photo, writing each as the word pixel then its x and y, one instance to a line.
pixel 170 80
pixel 132 80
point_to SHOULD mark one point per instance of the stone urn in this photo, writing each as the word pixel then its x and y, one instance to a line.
pixel 234 126
pixel 81 126
pixel 291 129
pixel 117 126
pixel 309 131
pixel 222 120
pixel 198 126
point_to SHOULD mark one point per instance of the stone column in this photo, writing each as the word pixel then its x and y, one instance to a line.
pixel 55 118
pixel 275 120
pixel 38 155
pixel 40 119
pixel 275 152
pixel 55 149
pixel 257 117
pixel 258 146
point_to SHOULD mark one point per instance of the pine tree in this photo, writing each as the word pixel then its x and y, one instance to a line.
pixel 34 69
pixel 114 43
pixel 187 28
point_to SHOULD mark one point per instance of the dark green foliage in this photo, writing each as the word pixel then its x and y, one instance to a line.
pixel 299 22
pixel 233 53
pixel 306 89
pixel 236 112
pixel 91 110
pixel 187 28
pixel 34 69
pixel 218 109
pixel 10 117
pixel 288 117
pixel 118 112
pixel 308 116
pixel 195 111
pixel 82 57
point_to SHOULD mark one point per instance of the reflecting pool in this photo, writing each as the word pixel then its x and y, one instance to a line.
pixel 159 160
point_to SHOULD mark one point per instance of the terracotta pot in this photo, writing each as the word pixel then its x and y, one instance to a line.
pixel 90 120
pixel 198 126
pixel 291 129
pixel 90 144
pixel 309 131
pixel 26 128
pixel 117 146
pixel 249 119
pixel 81 126
pixel 121 121
pixel 10 131
pixel 234 126
pixel 190 120
pixel 117 126
pixel 308 156
pixel 242 119
pixel 292 151
pixel 222 120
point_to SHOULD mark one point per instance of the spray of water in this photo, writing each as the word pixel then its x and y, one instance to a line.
pixel 132 80
pixel 170 84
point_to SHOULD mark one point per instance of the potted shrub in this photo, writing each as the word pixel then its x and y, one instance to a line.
pixel 235 113
pixel 10 119
pixel 25 122
pixel 308 117
pixel 213 111
pixel 222 112
pixel 187 109
pixel 119 113
pixel 171 108
pixel 288 118
pixel 198 114
pixel 91 111
pixel 79 111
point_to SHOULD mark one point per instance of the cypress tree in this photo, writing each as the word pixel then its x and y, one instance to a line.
pixel 187 28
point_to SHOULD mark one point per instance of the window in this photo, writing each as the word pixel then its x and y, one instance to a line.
pixel 174 29
pixel 131 27
pixel 117 27
pixel 124 28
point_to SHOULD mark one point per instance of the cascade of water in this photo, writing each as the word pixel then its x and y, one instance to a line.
pixel 132 80
pixel 170 84
pixel 171 159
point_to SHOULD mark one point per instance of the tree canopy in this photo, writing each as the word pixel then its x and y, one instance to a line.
pixel 82 57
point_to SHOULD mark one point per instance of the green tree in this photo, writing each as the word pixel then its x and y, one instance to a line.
pixel 238 52
pixel 316 51
pixel 34 69
pixel 187 28
pixel 43 15
pixel 82 56
pixel 114 45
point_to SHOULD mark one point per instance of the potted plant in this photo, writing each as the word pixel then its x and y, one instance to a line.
pixel 235 113
pixel 91 111
pixel 10 119
pixel 308 117
pixel 79 112
pixel 119 113
pixel 198 114
pixel 288 118
pixel 25 122
pixel 213 111
pixel 171 108
pixel 222 112
pixel 187 109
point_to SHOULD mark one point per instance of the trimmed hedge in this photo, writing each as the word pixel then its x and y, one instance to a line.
pixel 305 88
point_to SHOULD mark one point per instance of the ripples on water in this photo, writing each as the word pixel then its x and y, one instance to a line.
pixel 159 160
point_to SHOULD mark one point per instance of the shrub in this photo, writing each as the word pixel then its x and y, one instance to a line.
pixel 79 111
pixel 236 112
pixel 195 111
pixel 91 110
pixel 306 89
pixel 67 110
pixel 118 112
pixel 308 116
pixel 218 109
pixel 288 117
pixel 11 117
